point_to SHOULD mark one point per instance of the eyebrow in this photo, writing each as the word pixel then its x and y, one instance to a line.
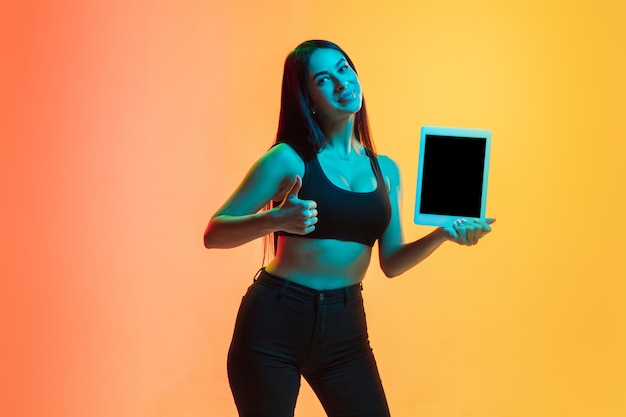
pixel 326 72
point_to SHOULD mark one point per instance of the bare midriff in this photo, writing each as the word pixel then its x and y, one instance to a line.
pixel 321 264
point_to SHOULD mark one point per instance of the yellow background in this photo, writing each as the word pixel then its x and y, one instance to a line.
pixel 125 124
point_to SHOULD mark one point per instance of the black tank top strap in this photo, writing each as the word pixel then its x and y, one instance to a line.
pixel 376 167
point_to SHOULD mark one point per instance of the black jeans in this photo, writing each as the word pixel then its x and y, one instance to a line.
pixel 285 330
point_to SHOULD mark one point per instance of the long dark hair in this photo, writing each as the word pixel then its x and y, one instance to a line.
pixel 297 125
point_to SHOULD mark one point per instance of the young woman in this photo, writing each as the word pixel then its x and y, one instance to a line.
pixel 332 198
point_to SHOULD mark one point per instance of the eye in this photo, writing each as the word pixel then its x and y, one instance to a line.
pixel 322 80
pixel 344 68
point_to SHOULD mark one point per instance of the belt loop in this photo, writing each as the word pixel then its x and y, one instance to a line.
pixel 283 289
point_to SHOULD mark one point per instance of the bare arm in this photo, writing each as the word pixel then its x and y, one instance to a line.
pixel 231 231
pixel 396 256
pixel 239 220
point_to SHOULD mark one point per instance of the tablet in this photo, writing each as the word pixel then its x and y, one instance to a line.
pixel 452 173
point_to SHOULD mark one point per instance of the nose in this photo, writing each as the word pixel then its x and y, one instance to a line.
pixel 342 85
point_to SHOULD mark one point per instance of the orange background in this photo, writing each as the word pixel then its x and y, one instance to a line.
pixel 125 124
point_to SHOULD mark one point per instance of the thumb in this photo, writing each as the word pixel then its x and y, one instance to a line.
pixel 490 220
pixel 295 188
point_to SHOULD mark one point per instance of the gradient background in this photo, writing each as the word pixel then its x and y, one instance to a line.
pixel 125 124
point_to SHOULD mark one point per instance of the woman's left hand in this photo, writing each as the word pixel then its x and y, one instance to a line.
pixel 468 231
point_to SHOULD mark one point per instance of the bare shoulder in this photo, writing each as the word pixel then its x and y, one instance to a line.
pixel 269 178
pixel 283 156
pixel 284 159
pixel 281 163
pixel 390 170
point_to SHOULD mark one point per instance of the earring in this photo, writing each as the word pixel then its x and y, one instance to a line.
pixel 312 111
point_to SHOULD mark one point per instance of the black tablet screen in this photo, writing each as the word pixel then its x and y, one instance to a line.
pixel 452 175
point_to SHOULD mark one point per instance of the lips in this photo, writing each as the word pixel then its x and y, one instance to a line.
pixel 345 97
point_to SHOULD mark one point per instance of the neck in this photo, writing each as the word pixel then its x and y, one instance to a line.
pixel 340 137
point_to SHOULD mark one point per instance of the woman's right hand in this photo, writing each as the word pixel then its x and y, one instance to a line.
pixel 294 215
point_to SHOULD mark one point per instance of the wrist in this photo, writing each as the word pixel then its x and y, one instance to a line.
pixel 441 235
pixel 272 221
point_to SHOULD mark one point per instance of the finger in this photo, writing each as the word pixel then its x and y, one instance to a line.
pixel 295 187
pixel 311 204
pixel 309 214
pixel 475 229
pixel 309 225
pixel 451 233
pixel 482 228
pixel 474 234
pixel 464 236
pixel 310 217
pixel 309 229
pixel 461 227
pixel 462 231
pixel 484 224
pixel 456 225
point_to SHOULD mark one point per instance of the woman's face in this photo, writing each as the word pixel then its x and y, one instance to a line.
pixel 334 87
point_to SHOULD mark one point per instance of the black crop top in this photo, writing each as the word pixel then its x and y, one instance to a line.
pixel 342 214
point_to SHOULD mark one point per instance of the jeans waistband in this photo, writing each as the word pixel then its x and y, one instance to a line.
pixel 287 287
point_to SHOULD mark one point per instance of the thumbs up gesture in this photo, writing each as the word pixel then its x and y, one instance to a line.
pixel 295 215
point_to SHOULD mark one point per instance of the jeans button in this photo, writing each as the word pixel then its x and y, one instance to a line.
pixel 321 296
